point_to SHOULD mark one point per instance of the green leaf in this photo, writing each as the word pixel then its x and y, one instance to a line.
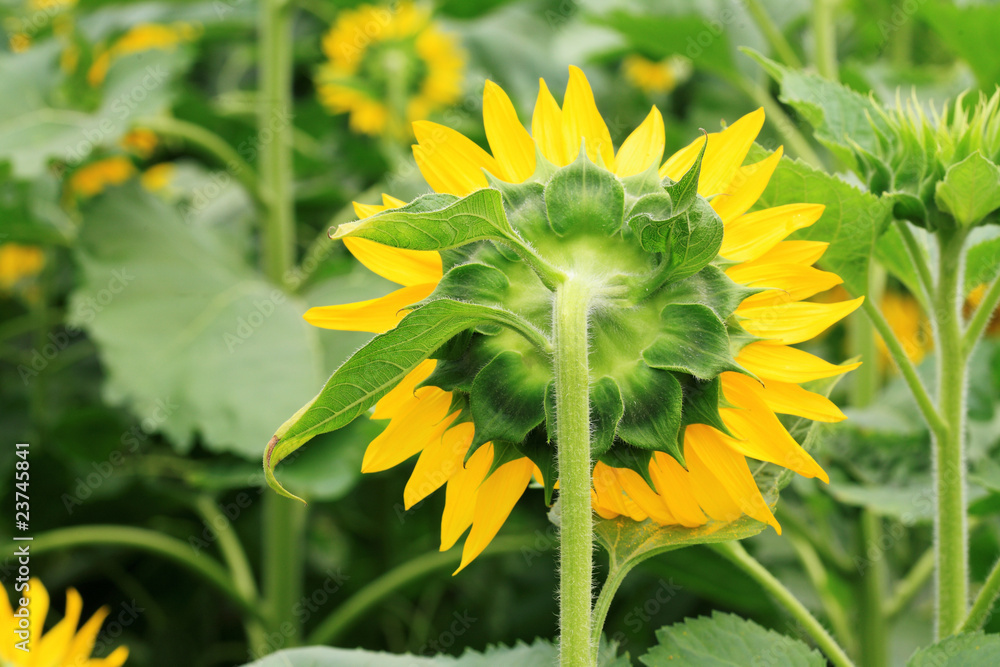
pixel 982 261
pixel 851 224
pixel 508 399
pixel 191 338
pixel 709 287
pixel 724 640
pixel 474 282
pixel 972 649
pixel 436 222
pixel 692 340
pixel 583 197
pixel 607 409
pixel 684 192
pixel 374 370
pixel 972 31
pixel 652 415
pixel 690 238
pixel 701 403
pixel 970 190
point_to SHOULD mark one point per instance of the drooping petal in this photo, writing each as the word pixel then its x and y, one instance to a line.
pixel 449 161
pixel 751 235
pixel 548 131
pixel 758 433
pixel 791 323
pixel 610 493
pixel 708 489
pixel 732 471
pixel 724 154
pixel 745 188
pixel 439 461
pixel 461 494
pixel 375 315
pixel 643 148
pixel 409 432
pixel 784 282
pixel 511 144
pixel 390 404
pixel 791 399
pixel 405 267
pixel 583 121
pixel 770 361
pixel 497 497
pixel 674 485
pixel 645 497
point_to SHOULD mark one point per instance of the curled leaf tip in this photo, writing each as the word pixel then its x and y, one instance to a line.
pixel 272 481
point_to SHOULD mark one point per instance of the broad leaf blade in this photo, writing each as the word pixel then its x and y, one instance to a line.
pixel 966 650
pixel 970 190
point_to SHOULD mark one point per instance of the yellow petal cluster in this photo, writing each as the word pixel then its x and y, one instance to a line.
pixel 139 38
pixel 92 179
pixel 18 262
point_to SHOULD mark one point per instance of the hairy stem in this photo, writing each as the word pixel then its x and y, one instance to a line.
pixel 983 316
pixel 872 622
pixel 735 553
pixel 576 536
pixel 983 606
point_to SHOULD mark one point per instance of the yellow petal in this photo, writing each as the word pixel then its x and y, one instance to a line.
pixel 602 511
pixel 791 399
pixel 51 650
pixel 547 129
pixel 758 432
pixel 410 431
pixel 438 463
pixel 405 267
pixel 366 210
pixel 511 144
pixel 709 491
pixel 38 608
pixel 724 154
pixel 6 626
pixel 449 161
pixel 732 471
pixel 643 496
pixel 83 644
pixel 391 202
pixel 403 393
pixel 375 315
pixel 783 282
pixel 769 361
pixel 745 188
pixel 116 659
pixel 643 148
pixel 497 497
pixel 751 235
pixel 674 484
pixel 792 252
pixel 791 323
pixel 583 121
pixel 461 494
pixel 610 493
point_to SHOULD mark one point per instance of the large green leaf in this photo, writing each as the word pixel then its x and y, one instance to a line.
pixel 851 224
pixel 973 649
pixel 378 367
pixel 726 640
pixel 970 190
pixel 192 339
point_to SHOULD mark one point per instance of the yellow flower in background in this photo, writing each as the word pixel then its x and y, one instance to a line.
pixel 717 484
pixel 93 178
pixel 656 77
pixel 64 645
pixel 143 37
pixel 18 262
pixel 42 5
pixel 140 142
pixel 388 66
pixel 972 302
pixel 158 177
pixel 911 326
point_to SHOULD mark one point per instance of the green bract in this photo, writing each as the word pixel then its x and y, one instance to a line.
pixel 662 325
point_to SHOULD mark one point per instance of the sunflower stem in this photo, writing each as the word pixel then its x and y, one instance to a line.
pixel 825 38
pixel 950 529
pixel 576 536
pixel 871 592
pixel 736 554
pixel 911 584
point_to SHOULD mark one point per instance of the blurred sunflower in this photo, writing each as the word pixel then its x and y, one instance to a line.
pixel 91 179
pixel 388 66
pixel 64 645
pixel 908 322
pixel 656 77
pixel 972 302
pixel 17 263
pixel 139 38
pixel 140 142
pixel 717 483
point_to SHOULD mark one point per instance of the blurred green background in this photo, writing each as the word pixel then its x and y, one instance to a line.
pixel 148 360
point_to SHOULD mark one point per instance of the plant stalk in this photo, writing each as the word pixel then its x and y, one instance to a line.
pixel 576 536
pixel 825 38
pixel 983 606
pixel 872 590
pixel 950 526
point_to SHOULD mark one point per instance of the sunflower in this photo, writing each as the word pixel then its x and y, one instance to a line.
pixel 93 178
pixel 656 77
pixel 388 66
pixel 64 644
pixel 142 37
pixel 712 480
pixel 18 262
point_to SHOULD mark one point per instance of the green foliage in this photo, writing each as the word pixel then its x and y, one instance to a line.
pixel 725 639
pixel 965 650
pixel 970 190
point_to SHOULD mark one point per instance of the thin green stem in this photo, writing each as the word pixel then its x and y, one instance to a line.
pixel 982 317
pixel 576 532
pixel 616 575
pixel 212 144
pixel 951 530
pixel 735 553
pixel 353 609
pixel 872 585
pixel 905 366
pixel 283 563
pixel 776 116
pixel 865 381
pixel 918 256
pixel 820 579
pixel 910 585
pixel 153 542
pixel 772 34
pixel 825 38
pixel 982 608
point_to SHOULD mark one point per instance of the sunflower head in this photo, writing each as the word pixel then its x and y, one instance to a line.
pixel 388 66
pixel 656 76
pixel 692 301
